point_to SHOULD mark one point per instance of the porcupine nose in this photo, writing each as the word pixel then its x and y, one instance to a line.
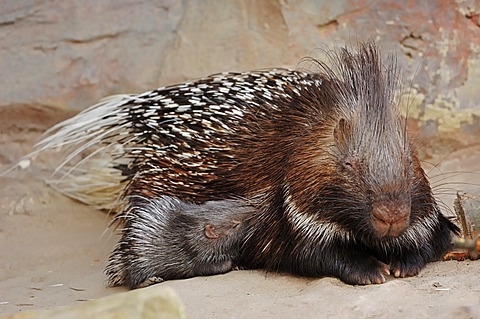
pixel 390 219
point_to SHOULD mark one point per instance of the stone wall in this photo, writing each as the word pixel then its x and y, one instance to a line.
pixel 72 53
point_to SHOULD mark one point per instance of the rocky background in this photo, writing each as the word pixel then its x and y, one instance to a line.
pixel 70 54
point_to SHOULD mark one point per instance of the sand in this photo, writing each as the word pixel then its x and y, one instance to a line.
pixel 53 251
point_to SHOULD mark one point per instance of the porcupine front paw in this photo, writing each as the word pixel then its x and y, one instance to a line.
pixel 368 271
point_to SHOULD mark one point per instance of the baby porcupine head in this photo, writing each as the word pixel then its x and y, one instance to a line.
pixel 368 162
pixel 166 238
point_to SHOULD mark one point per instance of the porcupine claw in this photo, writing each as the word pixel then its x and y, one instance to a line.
pixel 402 269
pixel 378 278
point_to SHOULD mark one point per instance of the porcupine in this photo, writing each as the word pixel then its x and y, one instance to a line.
pixel 343 192
pixel 168 239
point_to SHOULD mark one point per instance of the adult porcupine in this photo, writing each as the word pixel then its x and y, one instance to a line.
pixel 165 238
pixel 342 190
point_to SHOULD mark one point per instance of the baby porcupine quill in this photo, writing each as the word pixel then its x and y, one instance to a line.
pixel 166 238
pixel 342 190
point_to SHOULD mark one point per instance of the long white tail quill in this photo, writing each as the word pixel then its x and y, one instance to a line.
pixel 94 142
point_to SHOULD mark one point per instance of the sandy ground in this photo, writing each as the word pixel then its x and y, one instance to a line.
pixel 53 251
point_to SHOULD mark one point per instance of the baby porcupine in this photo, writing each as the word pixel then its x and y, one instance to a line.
pixel 166 238
pixel 342 190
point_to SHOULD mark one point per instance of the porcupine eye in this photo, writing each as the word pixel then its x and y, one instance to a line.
pixel 235 224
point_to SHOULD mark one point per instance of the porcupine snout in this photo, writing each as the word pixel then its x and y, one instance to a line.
pixel 390 218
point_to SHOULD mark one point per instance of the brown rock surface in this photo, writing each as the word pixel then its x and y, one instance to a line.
pixel 71 54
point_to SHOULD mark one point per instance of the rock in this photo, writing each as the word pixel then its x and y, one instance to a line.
pixel 155 302
pixel 71 54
